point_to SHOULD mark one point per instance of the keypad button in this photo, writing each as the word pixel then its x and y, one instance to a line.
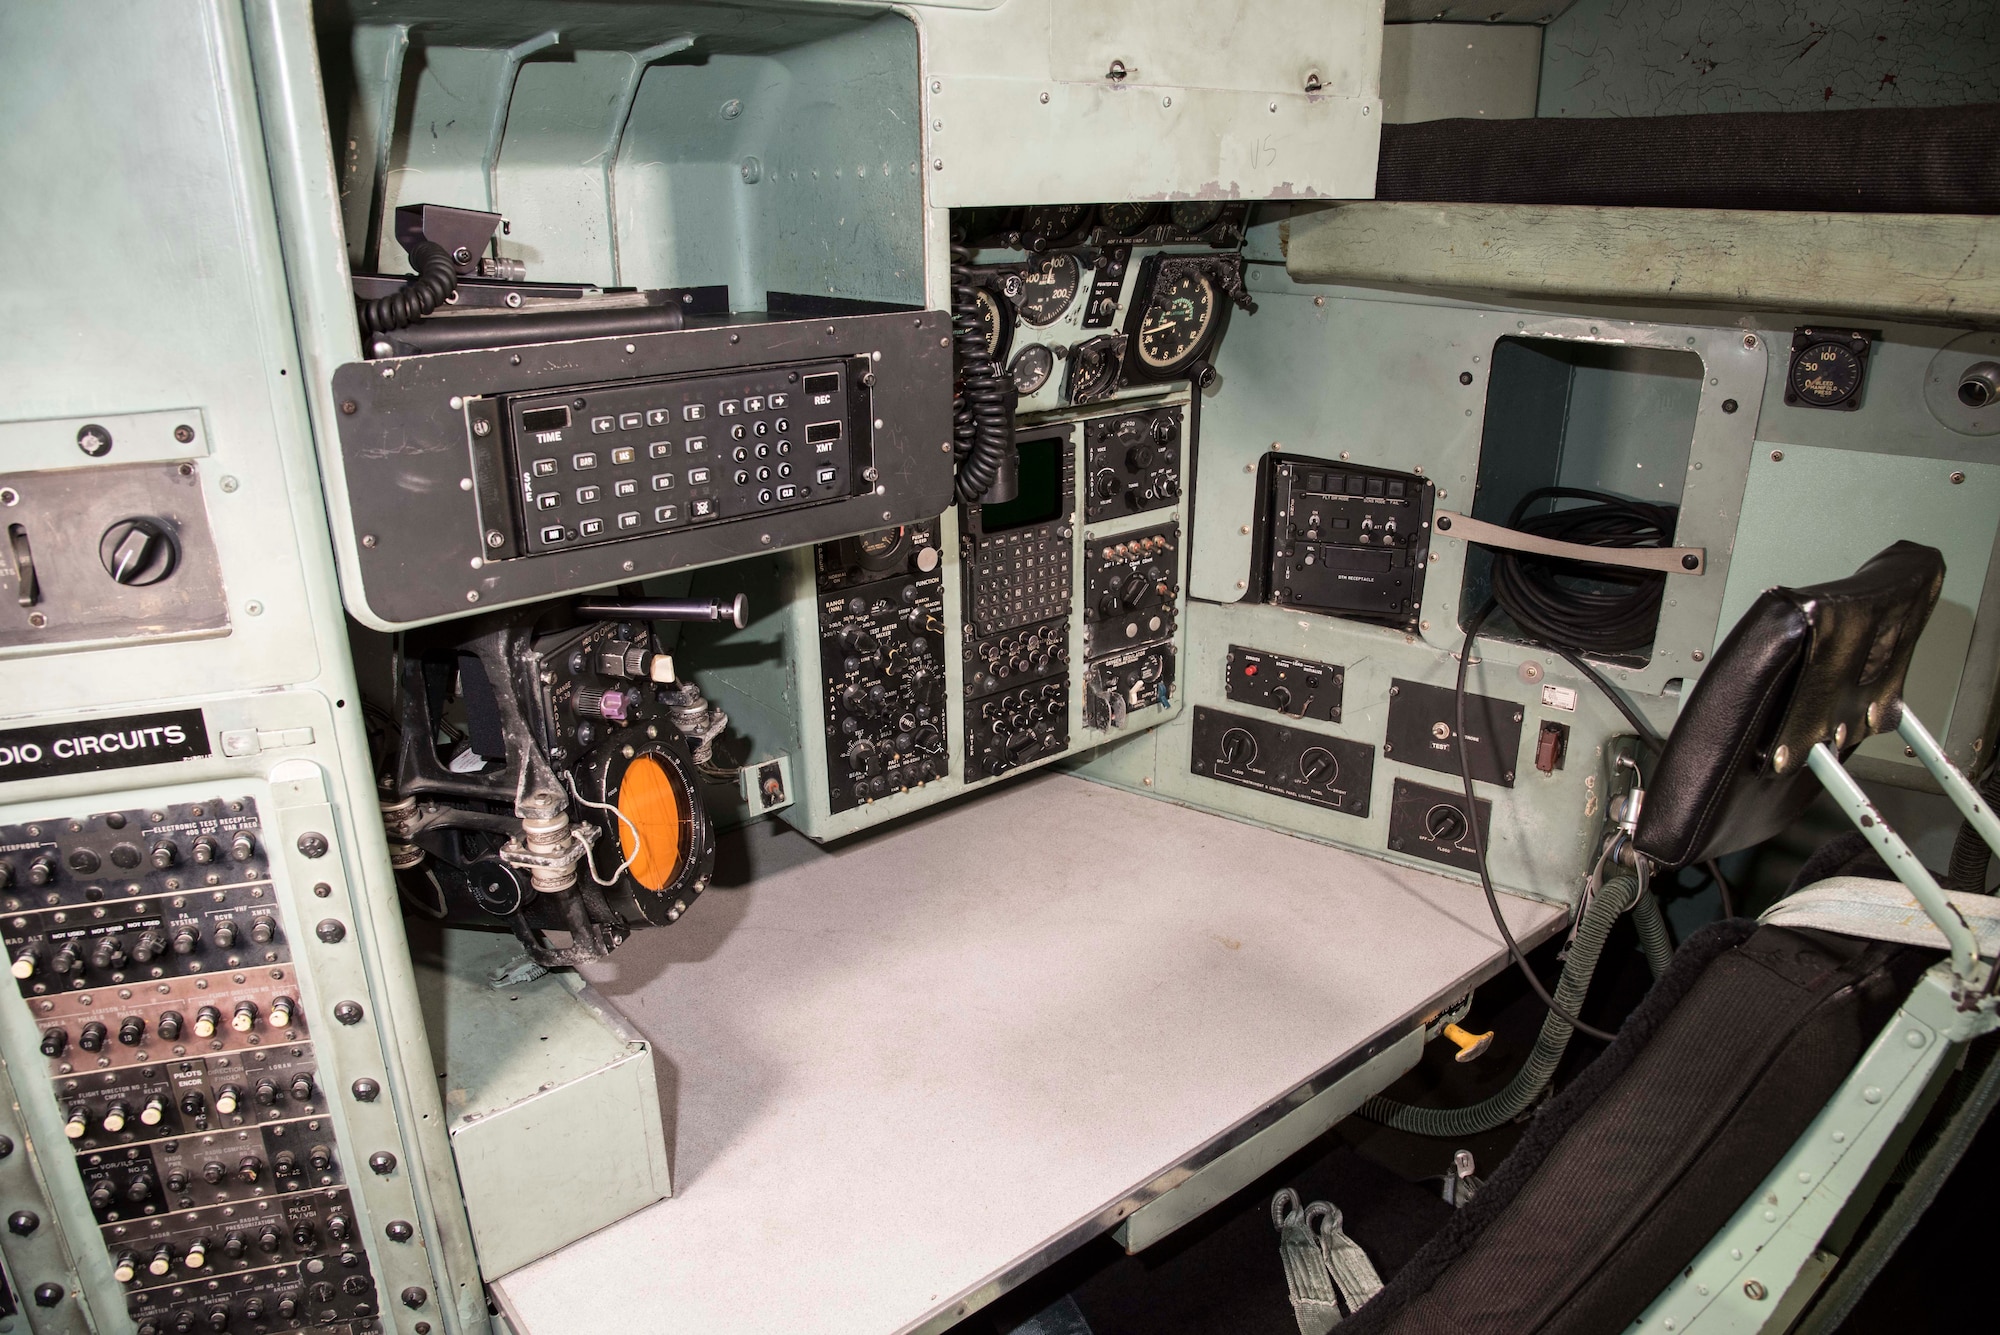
pixel 697 444
pixel 658 416
pixel 763 475
pixel 586 495
pixel 736 432
pixel 624 454
pixel 666 514
pixel 553 533
pixel 742 476
pixel 702 508
pixel 782 425
pixel 624 487
pixel 762 428
pixel 693 412
pixel 697 477
pixel 580 462
pixel 727 408
pixel 763 450
pixel 630 519
pixel 662 481
pixel 545 467
pixel 602 424
pixel 764 496
pixel 825 476
pixel 629 421
pixel 787 492
pixel 659 449
pixel 548 500
pixel 590 528
pixel 778 400
pixel 753 404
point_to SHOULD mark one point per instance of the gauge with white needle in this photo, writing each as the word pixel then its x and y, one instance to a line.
pixel 1177 320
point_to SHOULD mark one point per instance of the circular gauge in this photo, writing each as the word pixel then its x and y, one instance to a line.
pixel 880 550
pixel 1045 224
pixel 1195 215
pixel 1125 219
pixel 1032 367
pixel 1825 375
pixel 1046 292
pixel 976 225
pixel 995 326
pixel 1177 321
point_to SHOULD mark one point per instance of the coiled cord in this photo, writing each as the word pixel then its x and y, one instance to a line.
pixel 436 278
pixel 982 427
pixel 1970 857
pixel 1568 603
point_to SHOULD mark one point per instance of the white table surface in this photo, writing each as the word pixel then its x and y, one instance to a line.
pixel 924 1059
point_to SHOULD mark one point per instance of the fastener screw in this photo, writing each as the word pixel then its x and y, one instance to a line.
pixel 313 844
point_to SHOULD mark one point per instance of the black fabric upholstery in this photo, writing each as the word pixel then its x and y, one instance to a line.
pixel 1824 663
pixel 1888 160
pixel 1628 1172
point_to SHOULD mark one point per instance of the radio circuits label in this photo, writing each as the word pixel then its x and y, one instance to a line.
pixel 106 743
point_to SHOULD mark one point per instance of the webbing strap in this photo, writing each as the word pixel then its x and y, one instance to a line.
pixel 1879 910
pixel 1323 1266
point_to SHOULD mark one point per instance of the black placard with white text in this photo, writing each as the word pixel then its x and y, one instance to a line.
pixel 106 743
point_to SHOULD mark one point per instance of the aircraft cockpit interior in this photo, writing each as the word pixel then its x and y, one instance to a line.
pixel 998 667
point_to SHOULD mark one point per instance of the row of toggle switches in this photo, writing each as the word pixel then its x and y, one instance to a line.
pixel 228 1099
pixel 160 1261
pixel 109 952
pixel 207 1021
pixel 165 853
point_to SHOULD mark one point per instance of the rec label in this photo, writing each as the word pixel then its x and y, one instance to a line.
pixel 106 743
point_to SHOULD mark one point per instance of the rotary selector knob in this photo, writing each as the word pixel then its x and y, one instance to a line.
pixel 1445 824
pixel 1317 765
pixel 1239 748
pixel 1104 485
pixel 1140 457
pixel 138 551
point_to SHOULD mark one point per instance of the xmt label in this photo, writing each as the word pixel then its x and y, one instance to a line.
pixel 109 743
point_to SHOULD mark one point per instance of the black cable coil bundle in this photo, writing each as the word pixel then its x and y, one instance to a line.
pixel 436 278
pixel 1578 605
pixel 982 412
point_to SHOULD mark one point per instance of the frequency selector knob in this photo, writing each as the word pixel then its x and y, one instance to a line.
pixel 1239 748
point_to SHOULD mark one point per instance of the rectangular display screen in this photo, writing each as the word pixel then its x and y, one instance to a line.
pixel 1040 499
pixel 545 419
pixel 822 384
pixel 819 431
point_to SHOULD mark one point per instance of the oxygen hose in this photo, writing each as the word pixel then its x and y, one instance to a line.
pixel 1612 898
pixel 1653 938
pixel 436 278
pixel 982 418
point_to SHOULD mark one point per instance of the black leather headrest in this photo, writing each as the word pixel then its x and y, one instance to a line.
pixel 1803 666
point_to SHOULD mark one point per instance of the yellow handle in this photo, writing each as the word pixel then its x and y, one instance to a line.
pixel 1470 1045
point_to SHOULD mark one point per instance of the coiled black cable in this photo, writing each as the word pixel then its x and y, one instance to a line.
pixel 1970 857
pixel 982 413
pixel 436 278
pixel 1575 604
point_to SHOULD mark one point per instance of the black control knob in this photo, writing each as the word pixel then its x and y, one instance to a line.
pixel 124 857
pixel 55 1042
pixel 92 1037
pixel 253 1307
pixel 320 1159
pixel 185 940
pixel 249 1168
pixel 268 1241
pixel 151 945
pixel 234 1246
pixel 1445 823
pixel 184 1323
pixel 42 871
pixel 288 1307
pixel 1104 484
pixel 266 1093
pixel 302 1086
pixel 1281 698
pixel 338 1228
pixel 1317 765
pixel 218 1318
pixel 177 1180
pixel 213 1173
pixel 102 1197
pixel 84 861
pixel 225 933
pixel 109 953
pixel 169 1027
pixel 1140 457
pixel 138 551
pixel 206 850
pixel 132 1031
pixel 165 854
pixel 284 1164
pixel 1239 748
pixel 304 1235
pixel 1133 592
pixel 242 847
pixel 263 929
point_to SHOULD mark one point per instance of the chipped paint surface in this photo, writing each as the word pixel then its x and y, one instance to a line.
pixel 1639 58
